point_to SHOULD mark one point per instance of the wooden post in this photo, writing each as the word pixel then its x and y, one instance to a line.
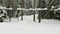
pixel 33 6
pixel 39 13
pixel 22 6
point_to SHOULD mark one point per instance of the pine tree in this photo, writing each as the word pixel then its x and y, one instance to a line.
pixel 49 5
pixel 1 2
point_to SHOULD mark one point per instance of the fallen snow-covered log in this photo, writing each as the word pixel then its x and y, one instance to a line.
pixel 4 8
pixel 32 9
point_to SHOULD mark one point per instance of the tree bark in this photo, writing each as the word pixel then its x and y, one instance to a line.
pixel 33 6
pixel 22 6
pixel 39 12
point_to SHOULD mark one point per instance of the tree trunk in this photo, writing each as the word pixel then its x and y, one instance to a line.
pixel 22 6
pixel 8 13
pixel 33 6
pixel 39 13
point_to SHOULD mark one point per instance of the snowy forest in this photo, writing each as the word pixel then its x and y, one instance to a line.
pixel 27 4
pixel 29 16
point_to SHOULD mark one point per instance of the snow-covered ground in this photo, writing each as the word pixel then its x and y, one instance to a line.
pixel 27 26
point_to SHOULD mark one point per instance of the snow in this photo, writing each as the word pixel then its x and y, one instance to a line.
pixel 31 9
pixel 1 7
pixel 4 8
pixel 52 7
pixel 27 26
